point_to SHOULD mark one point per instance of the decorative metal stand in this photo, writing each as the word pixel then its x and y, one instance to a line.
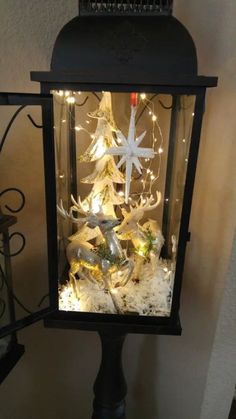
pixel 110 387
pixel 13 350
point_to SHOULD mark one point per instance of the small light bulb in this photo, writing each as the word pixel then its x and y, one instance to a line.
pixel 60 93
pixel 193 113
pixel 160 150
pixel 186 160
pixel 152 177
pixel 92 136
pixel 78 128
pixel 154 118
pixel 143 96
pixel 184 141
pixel 114 291
pixel 63 121
pixel 67 93
pixel 79 93
pixel 155 140
pixel 148 170
pixel 119 141
pixel 167 199
pixel 70 100
pixel 121 193
pixel 150 113
pixel 87 122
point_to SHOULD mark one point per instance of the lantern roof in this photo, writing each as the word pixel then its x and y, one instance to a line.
pixel 152 49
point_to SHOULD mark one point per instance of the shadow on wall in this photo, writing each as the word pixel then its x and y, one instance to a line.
pixel 142 392
pixel 54 378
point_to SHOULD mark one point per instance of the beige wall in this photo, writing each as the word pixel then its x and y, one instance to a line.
pixel 166 375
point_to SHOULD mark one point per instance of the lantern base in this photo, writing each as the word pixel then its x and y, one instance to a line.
pixel 110 387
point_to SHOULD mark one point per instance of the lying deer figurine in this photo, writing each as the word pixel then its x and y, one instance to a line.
pixel 81 256
pixel 130 229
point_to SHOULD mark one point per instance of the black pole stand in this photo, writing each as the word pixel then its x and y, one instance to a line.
pixel 110 387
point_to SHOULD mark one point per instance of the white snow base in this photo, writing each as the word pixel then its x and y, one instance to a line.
pixel 150 295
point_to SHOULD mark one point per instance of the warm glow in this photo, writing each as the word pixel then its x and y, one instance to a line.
pixel 70 100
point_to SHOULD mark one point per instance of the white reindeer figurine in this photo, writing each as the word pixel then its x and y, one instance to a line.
pixel 87 262
pixel 130 229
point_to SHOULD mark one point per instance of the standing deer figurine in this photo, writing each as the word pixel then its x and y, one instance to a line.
pixel 82 257
pixel 142 236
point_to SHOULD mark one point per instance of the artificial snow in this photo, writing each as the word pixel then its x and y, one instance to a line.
pixel 148 295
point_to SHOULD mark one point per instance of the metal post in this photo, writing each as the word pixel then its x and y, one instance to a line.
pixel 110 387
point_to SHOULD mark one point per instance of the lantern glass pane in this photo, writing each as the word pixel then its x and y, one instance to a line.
pixel 121 163
pixel 25 264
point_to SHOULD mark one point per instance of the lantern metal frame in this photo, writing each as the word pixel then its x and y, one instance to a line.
pixel 126 323
pixel 22 100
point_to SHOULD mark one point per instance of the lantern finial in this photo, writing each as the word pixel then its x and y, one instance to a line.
pixel 125 7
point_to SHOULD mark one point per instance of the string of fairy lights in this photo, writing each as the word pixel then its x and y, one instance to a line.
pixel 151 167
pixel 150 177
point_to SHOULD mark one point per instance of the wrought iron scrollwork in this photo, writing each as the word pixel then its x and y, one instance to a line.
pixel 33 122
pixel 14 211
pixel 9 126
pixel 82 103
pixel 10 123
pixel 22 196
pixel 5 282
pixel 17 252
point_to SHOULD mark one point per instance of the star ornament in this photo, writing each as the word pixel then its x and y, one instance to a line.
pixel 130 152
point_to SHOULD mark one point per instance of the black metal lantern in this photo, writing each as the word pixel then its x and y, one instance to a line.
pixel 121 74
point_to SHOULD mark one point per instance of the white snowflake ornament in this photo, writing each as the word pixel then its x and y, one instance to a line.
pixel 130 152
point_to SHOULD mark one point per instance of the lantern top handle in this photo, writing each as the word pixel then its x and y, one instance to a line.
pixel 125 7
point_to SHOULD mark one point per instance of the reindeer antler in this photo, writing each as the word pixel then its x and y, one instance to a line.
pixel 146 204
pixel 78 206
pixel 66 214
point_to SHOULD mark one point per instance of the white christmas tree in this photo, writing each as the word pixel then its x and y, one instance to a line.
pixel 103 195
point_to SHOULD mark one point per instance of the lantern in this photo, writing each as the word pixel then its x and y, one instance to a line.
pixel 122 110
